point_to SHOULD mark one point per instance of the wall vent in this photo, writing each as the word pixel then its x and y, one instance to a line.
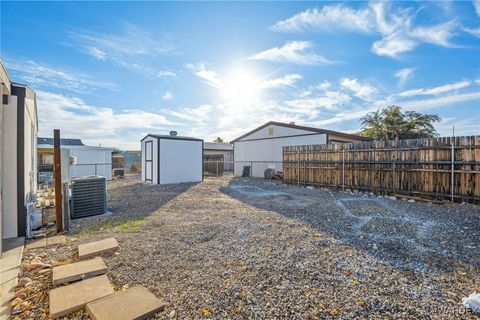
pixel 89 197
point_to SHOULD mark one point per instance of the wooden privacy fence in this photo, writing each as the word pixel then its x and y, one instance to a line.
pixel 446 167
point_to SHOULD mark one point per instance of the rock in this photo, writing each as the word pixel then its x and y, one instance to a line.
pixel 15 302
pixel 411 200
pixel 392 198
pixel 172 314
pixel 23 281
pixel 33 265
pixel 310 187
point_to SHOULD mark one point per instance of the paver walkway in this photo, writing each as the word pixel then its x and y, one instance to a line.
pixel 74 297
pixel 132 304
pixel 94 249
pixel 78 271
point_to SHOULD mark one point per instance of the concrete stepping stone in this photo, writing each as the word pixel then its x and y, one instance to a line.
pixel 55 240
pixel 37 244
pixel 132 304
pixel 78 271
pixel 74 297
pixel 94 249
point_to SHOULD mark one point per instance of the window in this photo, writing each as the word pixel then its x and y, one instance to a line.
pixel 270 131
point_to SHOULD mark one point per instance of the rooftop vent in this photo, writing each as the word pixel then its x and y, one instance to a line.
pixel 173 133
pixel 292 123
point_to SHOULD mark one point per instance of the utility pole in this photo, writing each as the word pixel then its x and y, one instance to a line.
pixel 57 158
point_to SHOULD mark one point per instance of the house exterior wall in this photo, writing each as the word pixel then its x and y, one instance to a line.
pixel 91 161
pixel 277 131
pixel 30 150
pixel 9 168
pixel 267 152
pixel 180 161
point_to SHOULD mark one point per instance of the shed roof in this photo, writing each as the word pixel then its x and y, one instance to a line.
pixel 166 136
pixel 294 126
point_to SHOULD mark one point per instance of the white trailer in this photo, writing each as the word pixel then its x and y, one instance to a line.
pixel 168 159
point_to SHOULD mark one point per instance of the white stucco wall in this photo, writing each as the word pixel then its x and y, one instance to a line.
pixel 268 153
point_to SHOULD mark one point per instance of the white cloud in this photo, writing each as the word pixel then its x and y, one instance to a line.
pixel 167 96
pixel 132 46
pixel 393 24
pixel 476 4
pixel 438 35
pixel 328 18
pixel 403 75
pixel 474 32
pixel 437 90
pixel 311 107
pixel 166 73
pixel 209 77
pixel 447 100
pixel 363 91
pixel 97 53
pixel 298 52
pixel 40 75
pixel 77 119
pixel 392 45
pixel 287 80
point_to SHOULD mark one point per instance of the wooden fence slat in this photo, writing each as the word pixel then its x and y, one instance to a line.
pixel 410 167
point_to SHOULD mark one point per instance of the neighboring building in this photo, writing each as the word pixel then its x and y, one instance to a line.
pixel 170 159
pixel 262 147
pixel 90 160
pixel 133 160
pixel 213 149
pixel 18 160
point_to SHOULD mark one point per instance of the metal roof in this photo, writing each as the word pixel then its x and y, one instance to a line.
pixel 63 142
pixel 166 136
pixel 294 126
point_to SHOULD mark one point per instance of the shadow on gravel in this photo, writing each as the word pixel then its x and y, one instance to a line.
pixel 408 235
pixel 130 202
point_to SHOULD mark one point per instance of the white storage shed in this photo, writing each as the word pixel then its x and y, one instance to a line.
pixel 262 148
pixel 168 159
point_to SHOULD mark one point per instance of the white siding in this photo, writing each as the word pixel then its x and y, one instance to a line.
pixel 268 153
pixel 30 150
pixel 9 178
pixel 180 161
pixel 91 161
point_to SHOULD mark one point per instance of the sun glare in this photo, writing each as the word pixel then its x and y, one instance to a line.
pixel 241 87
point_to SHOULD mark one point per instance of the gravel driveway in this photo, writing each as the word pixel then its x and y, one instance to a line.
pixel 238 249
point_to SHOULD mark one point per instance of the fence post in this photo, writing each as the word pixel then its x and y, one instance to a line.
pixel 217 167
pixel 394 175
pixel 343 169
pixel 95 169
pixel 452 179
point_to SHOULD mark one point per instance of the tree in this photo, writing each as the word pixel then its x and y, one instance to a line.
pixel 392 124
pixel 219 140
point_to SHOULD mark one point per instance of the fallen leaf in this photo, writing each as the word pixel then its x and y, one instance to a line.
pixel 207 313
pixel 334 312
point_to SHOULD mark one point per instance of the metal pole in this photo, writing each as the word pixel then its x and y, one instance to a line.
pixel 217 167
pixel 452 179
pixel 343 169
pixel 95 169
pixel 58 180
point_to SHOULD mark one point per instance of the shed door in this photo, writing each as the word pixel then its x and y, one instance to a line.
pixel 149 161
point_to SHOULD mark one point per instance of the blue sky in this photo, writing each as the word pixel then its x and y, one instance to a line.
pixel 111 72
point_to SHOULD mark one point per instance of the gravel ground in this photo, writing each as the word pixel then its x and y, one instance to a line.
pixel 246 248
